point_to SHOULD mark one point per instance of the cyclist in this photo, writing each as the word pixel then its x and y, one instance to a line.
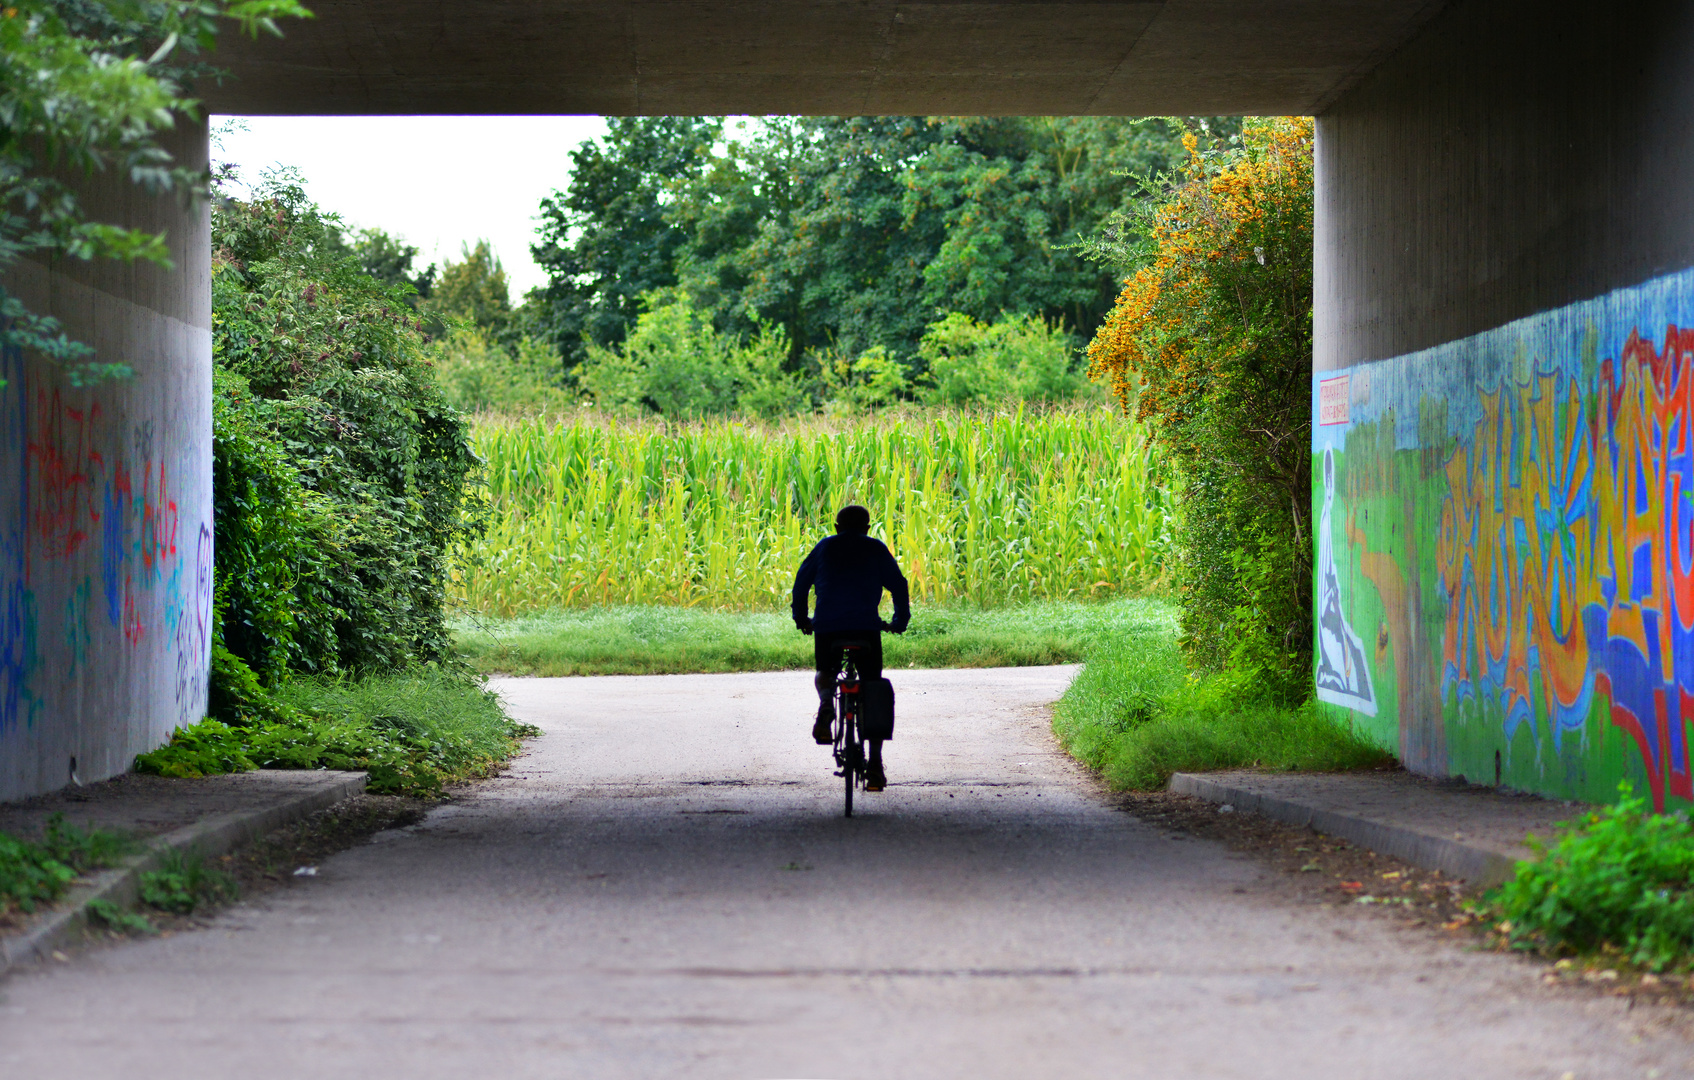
pixel 849 571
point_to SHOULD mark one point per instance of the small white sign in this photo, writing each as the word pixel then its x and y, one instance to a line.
pixel 1332 401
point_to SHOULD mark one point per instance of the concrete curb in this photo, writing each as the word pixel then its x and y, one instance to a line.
pixel 1477 865
pixel 210 836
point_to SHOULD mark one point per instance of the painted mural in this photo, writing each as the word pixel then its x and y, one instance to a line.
pixel 1506 548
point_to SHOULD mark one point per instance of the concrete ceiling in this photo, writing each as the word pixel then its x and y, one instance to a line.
pixel 651 57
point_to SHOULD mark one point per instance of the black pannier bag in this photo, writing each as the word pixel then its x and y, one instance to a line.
pixel 878 721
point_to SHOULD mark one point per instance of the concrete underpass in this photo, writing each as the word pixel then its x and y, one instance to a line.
pixel 1504 239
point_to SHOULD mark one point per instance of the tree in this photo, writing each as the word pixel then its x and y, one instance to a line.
pixel 473 290
pixel 855 233
pixel 87 87
pixel 605 240
pixel 389 260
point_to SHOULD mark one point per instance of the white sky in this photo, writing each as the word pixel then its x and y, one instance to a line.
pixel 437 181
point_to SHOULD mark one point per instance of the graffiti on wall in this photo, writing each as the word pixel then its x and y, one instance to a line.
pixel 92 563
pixel 1546 638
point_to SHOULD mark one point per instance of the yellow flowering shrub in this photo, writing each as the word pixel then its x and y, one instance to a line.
pixel 1210 345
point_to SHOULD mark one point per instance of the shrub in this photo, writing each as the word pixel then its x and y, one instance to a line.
pixel 1618 879
pixel 1210 344
pixel 345 472
pixel 676 364
pixel 478 374
pixel 875 380
pixel 276 549
pixel 1018 358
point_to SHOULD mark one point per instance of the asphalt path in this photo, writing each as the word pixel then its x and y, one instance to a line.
pixel 664 886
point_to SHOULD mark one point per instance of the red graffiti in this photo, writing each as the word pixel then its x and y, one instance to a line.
pixel 158 521
pixel 64 473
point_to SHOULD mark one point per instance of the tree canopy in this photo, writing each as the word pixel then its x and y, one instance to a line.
pixel 847 233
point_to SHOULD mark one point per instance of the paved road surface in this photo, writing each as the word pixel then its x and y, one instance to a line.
pixel 664 887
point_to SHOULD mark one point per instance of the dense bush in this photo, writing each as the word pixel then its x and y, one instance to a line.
pixel 677 364
pixel 345 471
pixel 1620 879
pixel 1210 344
pixel 478 374
pixel 1016 358
pixel 341 484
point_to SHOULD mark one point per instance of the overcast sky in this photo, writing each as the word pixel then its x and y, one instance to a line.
pixel 437 181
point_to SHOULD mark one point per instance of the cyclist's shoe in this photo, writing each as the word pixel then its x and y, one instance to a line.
pixel 874 778
pixel 821 731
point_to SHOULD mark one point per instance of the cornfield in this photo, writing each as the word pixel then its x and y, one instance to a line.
pixel 982 508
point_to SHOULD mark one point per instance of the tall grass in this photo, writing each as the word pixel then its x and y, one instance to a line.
pixel 1135 713
pixel 983 508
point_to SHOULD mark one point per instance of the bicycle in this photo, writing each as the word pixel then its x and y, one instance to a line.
pixel 850 757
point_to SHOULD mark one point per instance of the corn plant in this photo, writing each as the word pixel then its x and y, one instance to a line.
pixel 988 508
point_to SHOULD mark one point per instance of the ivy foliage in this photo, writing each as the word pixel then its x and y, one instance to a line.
pixel 343 473
pixel 1210 343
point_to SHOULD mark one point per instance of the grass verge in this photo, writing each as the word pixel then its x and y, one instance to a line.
pixel 412 731
pixel 1136 715
pixel 655 640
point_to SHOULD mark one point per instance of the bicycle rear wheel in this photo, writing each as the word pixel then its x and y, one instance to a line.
pixel 852 756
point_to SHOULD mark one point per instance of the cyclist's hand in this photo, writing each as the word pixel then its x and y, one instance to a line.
pixel 804 625
pixel 894 627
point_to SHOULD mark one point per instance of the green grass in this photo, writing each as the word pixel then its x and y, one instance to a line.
pixel 183 883
pixel 653 640
pixel 412 731
pixel 1135 714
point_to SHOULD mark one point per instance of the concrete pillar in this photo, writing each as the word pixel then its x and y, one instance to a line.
pixel 106 504
pixel 1503 428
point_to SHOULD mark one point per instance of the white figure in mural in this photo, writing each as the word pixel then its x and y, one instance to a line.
pixel 1342 677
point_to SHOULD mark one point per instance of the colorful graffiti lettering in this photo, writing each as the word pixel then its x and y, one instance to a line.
pixel 1565 548
pixel 89 553
pixel 1559 452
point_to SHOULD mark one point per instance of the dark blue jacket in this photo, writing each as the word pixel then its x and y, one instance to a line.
pixel 849 573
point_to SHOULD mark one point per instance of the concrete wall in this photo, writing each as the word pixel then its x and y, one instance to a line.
pixel 1515 157
pixel 1504 404
pixel 105 505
